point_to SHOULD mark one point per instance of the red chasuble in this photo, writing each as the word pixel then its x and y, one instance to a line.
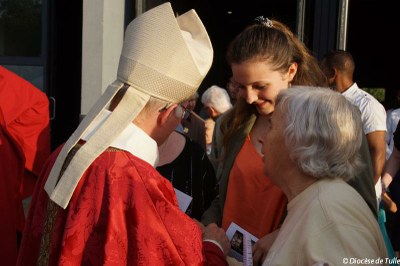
pixel 11 210
pixel 123 212
pixel 26 116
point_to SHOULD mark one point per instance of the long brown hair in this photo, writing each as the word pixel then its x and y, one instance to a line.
pixel 278 46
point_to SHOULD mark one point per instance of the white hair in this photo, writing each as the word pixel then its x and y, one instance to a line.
pixel 323 131
pixel 217 98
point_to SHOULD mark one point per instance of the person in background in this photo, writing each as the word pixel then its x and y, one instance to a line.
pixel 216 101
pixel 24 148
pixel 392 119
pixel 338 67
pixel 191 103
pixel 26 117
pixel 193 125
pixel 186 165
pixel 390 176
pixel 209 124
pixel 309 150
pixel 12 173
pixel 99 200
pixel 391 190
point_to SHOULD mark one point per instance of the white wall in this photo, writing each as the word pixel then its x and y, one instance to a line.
pixel 102 39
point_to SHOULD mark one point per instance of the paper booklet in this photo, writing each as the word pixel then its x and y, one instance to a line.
pixel 241 244
pixel 184 200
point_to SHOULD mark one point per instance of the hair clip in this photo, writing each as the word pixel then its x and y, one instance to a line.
pixel 264 21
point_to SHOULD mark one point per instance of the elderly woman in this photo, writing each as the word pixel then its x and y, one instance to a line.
pixel 310 150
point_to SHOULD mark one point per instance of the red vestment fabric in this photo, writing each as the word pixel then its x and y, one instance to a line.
pixel 122 212
pixel 26 117
pixel 11 209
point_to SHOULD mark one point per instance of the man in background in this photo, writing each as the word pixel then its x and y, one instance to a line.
pixel 216 101
pixel 338 67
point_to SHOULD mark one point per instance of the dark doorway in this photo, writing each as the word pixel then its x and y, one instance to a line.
pixel 371 28
pixel 225 20
pixel 65 67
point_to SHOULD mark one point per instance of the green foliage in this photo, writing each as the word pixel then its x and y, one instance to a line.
pixel 378 93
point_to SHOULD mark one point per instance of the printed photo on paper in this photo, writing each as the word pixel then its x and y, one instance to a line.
pixel 236 236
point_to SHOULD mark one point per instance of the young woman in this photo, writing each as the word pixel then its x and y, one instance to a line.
pixel 265 58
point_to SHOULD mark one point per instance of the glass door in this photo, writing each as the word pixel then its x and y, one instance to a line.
pixel 23 39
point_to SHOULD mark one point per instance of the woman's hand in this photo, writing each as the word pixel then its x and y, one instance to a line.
pixel 262 246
